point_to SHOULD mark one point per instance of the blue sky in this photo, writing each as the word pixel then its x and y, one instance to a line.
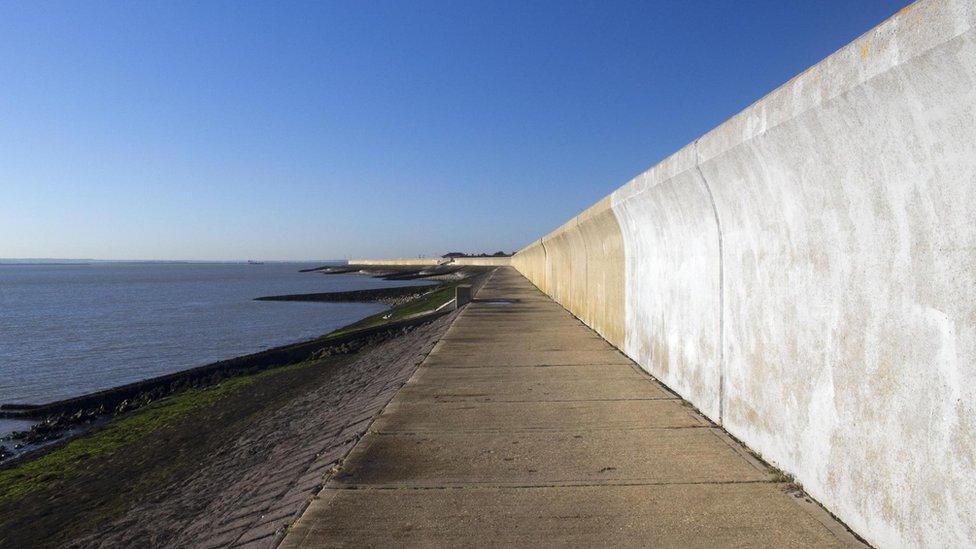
pixel 235 130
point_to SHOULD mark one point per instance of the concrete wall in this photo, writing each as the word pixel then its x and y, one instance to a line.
pixel 396 262
pixel 463 261
pixel 584 270
pixel 482 261
pixel 805 274
pixel 531 262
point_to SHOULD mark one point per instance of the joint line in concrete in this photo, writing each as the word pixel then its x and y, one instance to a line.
pixel 586 263
pixel 545 263
pixel 721 287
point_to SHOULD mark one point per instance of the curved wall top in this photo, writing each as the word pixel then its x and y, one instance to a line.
pixel 805 274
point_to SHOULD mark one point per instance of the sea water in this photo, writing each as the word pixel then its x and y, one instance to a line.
pixel 67 330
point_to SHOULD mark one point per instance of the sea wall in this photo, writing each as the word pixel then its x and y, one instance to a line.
pixel 407 262
pixel 482 261
pixel 805 274
pixel 460 261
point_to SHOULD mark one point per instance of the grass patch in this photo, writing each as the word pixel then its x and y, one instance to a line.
pixel 69 460
pixel 779 476
pixel 424 303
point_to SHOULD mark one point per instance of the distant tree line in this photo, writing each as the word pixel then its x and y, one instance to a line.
pixel 452 255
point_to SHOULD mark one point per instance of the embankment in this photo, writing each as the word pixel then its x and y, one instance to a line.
pixel 421 262
pixel 390 296
pixel 804 274
pixel 228 465
pixel 486 261
pixel 482 261
pixel 226 454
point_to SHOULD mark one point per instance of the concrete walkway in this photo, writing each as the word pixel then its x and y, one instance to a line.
pixel 524 427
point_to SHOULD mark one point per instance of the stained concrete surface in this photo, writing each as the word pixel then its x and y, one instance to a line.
pixel 450 388
pixel 803 274
pixel 563 447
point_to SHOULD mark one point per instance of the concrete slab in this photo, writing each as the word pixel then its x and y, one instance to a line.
pixel 524 428
pixel 517 313
pixel 533 321
pixel 674 515
pixel 428 416
pixel 648 456
pixel 527 358
pixel 439 389
pixel 530 374
pixel 517 333
pixel 542 344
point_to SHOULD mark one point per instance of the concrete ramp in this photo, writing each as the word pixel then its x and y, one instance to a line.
pixel 524 427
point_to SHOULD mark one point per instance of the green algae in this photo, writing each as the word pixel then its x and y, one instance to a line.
pixel 68 461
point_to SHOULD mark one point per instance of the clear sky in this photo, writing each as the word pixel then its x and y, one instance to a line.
pixel 235 130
